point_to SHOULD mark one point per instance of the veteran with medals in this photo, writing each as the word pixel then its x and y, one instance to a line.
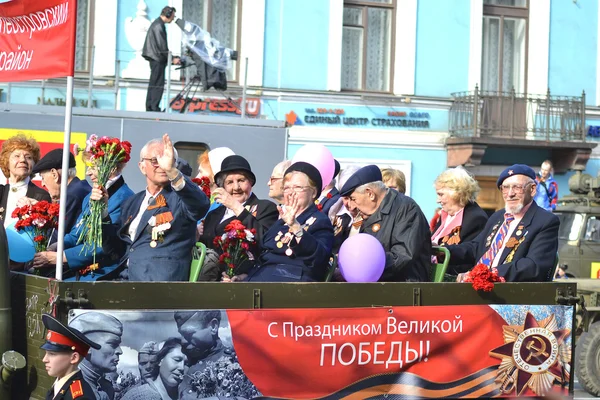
pixel 396 221
pixel 298 246
pixel 521 240
pixel 157 227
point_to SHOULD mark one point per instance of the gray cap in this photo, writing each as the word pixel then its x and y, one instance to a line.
pixel 97 322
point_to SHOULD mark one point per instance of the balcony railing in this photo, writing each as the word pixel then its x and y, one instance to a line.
pixel 513 115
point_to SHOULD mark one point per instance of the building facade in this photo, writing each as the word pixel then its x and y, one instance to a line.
pixel 418 85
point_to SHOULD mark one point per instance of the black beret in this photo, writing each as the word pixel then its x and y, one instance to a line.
pixel 337 168
pixel 368 174
pixel 517 169
pixel 53 159
pixel 310 170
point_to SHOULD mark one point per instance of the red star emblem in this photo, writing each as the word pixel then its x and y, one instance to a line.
pixel 533 356
pixel 291 117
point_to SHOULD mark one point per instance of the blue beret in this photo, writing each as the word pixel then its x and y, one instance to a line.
pixel 368 174
pixel 517 169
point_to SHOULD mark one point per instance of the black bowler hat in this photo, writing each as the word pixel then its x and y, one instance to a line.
pixel 337 168
pixel 53 159
pixel 61 338
pixel 368 174
pixel 516 169
pixel 235 163
pixel 309 170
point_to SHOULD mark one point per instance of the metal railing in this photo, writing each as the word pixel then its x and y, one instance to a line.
pixel 513 115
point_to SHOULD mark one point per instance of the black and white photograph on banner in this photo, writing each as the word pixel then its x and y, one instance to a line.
pixel 162 355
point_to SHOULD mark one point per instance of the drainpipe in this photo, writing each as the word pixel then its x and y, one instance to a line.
pixel 11 360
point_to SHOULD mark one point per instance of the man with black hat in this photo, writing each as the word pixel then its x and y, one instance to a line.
pixel 396 221
pixel 65 348
pixel 521 240
pixel 50 169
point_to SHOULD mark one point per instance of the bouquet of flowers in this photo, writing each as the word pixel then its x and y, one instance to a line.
pixel 204 184
pixel 105 154
pixel 223 377
pixel 483 278
pixel 38 221
pixel 235 243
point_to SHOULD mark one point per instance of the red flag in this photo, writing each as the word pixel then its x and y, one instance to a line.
pixel 37 39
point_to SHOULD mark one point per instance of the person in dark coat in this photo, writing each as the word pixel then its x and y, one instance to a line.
pixel 235 181
pixel 157 227
pixel 17 158
pixel 461 218
pixel 396 221
pixel 298 246
pixel 50 170
pixel 330 194
pixel 521 240
pixel 65 348
pixel 156 51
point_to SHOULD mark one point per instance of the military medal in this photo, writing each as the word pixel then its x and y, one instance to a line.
pixel 376 228
pixel 153 244
pixel 288 252
pixel 279 245
pixel 519 232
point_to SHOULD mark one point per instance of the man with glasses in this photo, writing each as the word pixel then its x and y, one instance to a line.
pixel 157 227
pixel 520 241
pixel 275 182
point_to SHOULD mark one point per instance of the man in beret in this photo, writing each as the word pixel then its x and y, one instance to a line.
pixel 105 330
pixel 521 240
pixel 396 221
pixel 65 348
pixel 50 169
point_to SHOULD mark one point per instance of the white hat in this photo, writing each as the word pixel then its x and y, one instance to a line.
pixel 216 157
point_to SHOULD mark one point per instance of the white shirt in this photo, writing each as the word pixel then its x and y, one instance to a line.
pixel 136 221
pixel 324 194
pixel 15 192
pixel 112 181
pixel 60 382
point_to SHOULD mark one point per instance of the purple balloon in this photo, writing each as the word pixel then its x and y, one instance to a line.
pixel 361 258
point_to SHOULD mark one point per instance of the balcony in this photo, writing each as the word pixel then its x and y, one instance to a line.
pixel 482 120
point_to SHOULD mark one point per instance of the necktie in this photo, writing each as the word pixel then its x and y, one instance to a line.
pixel 492 251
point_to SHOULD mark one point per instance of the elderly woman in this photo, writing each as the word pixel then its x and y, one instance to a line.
pixel 298 246
pixel 234 191
pixel 171 365
pixel 17 158
pixel 394 179
pixel 461 217
pixel 78 265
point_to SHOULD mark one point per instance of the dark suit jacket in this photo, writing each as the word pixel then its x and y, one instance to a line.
pixel 257 214
pixel 76 260
pixel 531 260
pixel 332 197
pixel 402 229
pixel 474 219
pixel 309 259
pixel 77 190
pixel 33 192
pixel 170 260
pixel 70 390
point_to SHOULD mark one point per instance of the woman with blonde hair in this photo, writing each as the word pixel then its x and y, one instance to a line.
pixel 461 217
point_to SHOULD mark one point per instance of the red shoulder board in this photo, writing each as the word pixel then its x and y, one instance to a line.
pixel 76 389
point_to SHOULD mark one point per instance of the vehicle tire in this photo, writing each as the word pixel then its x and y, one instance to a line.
pixel 587 359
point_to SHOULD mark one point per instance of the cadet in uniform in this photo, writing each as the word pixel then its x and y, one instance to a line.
pixel 65 348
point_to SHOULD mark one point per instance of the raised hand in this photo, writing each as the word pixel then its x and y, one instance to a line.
pixel 166 161
pixel 99 193
pixel 223 197
pixel 289 212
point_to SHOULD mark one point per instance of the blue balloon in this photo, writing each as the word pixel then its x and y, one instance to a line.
pixel 20 245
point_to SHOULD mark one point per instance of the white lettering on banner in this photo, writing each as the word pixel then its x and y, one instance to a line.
pixel 326 331
pixel 35 21
pixel 270 334
pixel 15 61
pixel 404 328
pixel 368 352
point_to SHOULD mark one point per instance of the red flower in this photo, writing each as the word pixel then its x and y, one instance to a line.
pixel 37 221
pixel 483 278
pixel 235 245
pixel 204 184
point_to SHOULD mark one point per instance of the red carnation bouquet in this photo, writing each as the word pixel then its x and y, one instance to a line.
pixel 105 154
pixel 204 184
pixel 236 244
pixel 483 278
pixel 38 221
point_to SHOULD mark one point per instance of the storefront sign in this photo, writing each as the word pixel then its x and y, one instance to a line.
pixel 58 101
pixel 350 353
pixel 220 106
pixel 338 116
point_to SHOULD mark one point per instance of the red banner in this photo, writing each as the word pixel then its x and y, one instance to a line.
pixel 37 39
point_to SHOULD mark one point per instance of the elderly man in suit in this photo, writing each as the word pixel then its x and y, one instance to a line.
pixel 157 227
pixel 521 240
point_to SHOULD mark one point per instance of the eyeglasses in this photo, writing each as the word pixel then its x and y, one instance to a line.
pixel 518 189
pixel 273 178
pixel 153 161
pixel 296 189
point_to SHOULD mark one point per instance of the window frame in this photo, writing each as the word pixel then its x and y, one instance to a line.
pixel 238 34
pixel 90 41
pixel 501 12
pixel 364 5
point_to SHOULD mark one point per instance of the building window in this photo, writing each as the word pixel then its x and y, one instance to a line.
pixel 83 48
pixel 367 45
pixel 221 18
pixel 504 51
